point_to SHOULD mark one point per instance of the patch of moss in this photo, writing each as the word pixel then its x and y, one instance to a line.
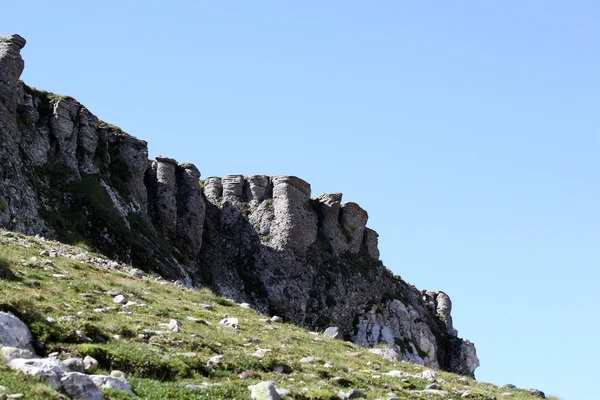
pixel 105 125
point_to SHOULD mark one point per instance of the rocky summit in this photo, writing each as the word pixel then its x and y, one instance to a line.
pixel 260 240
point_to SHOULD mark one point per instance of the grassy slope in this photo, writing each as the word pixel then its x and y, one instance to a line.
pixel 157 368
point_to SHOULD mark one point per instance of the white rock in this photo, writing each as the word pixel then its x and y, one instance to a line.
pixel 174 326
pixel 333 332
pixel 230 323
pixel 49 369
pixel 118 374
pixel 136 273
pixel 264 391
pixel 245 305
pixel 216 360
pixel 307 360
pixel 14 333
pixel 10 353
pixel 394 373
pixel 81 386
pixel 429 374
pixel 90 364
pixel 110 382
pixel 275 318
pixel 120 299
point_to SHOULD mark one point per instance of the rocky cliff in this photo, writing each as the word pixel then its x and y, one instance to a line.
pixel 258 239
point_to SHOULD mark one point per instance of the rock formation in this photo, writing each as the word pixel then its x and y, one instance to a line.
pixel 257 239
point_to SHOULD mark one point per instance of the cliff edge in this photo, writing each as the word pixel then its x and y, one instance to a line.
pixel 263 240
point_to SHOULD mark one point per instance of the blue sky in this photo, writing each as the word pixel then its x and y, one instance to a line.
pixel 470 132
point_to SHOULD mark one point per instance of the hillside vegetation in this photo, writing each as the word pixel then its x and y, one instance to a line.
pixel 58 290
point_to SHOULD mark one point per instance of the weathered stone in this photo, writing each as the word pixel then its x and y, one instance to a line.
pixel 120 299
pixel 74 364
pixel 213 189
pixel 10 353
pixel 355 394
pixel 333 332
pixel 90 364
pixel 191 208
pixel 174 326
pixel 230 323
pixel 14 333
pixel 110 382
pixel 166 201
pixel 49 369
pixel 537 393
pixel 443 308
pixel 371 242
pixel 264 391
pixel 295 224
pixel 353 220
pixel 330 204
pixel 258 187
pixel 81 386
pixel 233 185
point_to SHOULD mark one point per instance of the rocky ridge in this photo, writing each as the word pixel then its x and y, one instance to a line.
pixel 256 239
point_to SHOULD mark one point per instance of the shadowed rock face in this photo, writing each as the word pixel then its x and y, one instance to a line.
pixel 256 239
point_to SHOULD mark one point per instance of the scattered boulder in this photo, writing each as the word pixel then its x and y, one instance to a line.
pixel 174 326
pixel 433 386
pixel 230 323
pixel 90 364
pixel 49 369
pixel 333 332
pixel 264 391
pixel 214 361
pixel 429 374
pixel 276 318
pixel 537 393
pixel 120 299
pixel 81 386
pixel 14 333
pixel 10 353
pixel 355 394
pixel 110 382
pixel 74 364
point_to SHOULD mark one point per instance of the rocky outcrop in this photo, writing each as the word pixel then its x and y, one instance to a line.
pixel 256 239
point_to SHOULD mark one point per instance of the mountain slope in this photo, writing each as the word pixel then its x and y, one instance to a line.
pixel 59 290
pixel 263 240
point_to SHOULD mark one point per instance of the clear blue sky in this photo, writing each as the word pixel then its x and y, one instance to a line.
pixel 470 131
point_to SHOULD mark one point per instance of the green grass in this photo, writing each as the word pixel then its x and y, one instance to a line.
pixel 159 367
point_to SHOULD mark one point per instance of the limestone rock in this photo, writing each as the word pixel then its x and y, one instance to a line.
pixel 295 224
pixel 258 187
pixel 213 189
pixel 353 222
pixel 174 326
pixel 74 364
pixel 233 185
pixel 230 323
pixel 14 333
pixel 81 386
pixel 10 353
pixel 333 332
pixel 264 391
pixel 90 364
pixel 49 369
pixel 110 382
